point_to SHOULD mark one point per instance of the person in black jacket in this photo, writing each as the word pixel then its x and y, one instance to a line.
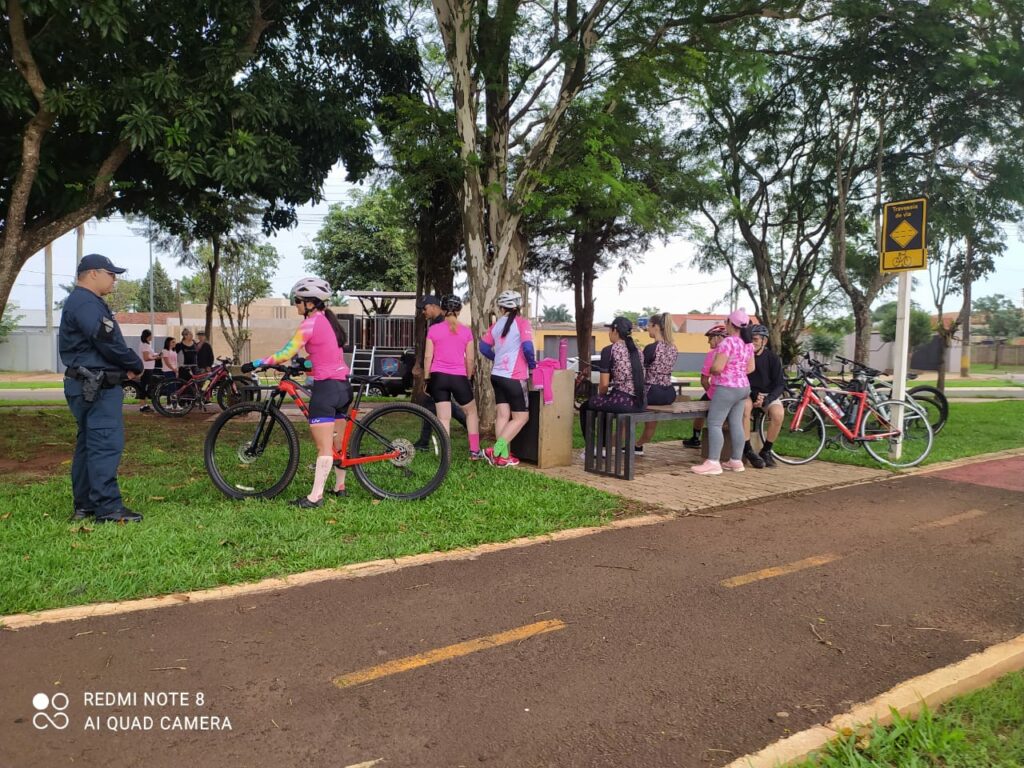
pixel 204 353
pixel 93 349
pixel 767 383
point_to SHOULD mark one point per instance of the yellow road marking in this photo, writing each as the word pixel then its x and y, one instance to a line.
pixel 951 520
pixel 780 570
pixel 448 652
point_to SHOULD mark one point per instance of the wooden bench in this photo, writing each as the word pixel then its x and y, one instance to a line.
pixel 609 437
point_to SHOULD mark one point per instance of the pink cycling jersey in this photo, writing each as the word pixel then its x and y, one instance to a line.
pixel 449 348
pixel 509 359
pixel 322 350
pixel 735 372
pixel 709 360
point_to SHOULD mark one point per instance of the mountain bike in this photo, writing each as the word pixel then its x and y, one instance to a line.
pixel 177 397
pixel 396 451
pixel 874 425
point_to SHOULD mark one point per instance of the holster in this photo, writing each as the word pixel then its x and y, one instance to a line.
pixel 91 383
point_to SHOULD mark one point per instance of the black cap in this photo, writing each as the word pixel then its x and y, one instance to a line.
pixel 430 298
pixel 622 326
pixel 98 261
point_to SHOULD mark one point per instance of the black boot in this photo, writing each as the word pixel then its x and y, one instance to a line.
pixel 751 456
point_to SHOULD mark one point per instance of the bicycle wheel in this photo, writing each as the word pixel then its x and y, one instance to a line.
pixel 916 432
pixel 252 451
pixel 234 391
pixel 175 398
pixel 423 447
pixel 796 443
pixel 935 404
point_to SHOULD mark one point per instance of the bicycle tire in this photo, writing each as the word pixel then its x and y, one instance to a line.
pixel 796 446
pixel 935 397
pixel 231 392
pixel 402 426
pixel 917 434
pixel 168 401
pixel 231 452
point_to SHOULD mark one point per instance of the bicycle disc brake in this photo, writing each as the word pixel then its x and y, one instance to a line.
pixel 245 455
pixel 406 451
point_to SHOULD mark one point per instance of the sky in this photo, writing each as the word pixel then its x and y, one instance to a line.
pixel 663 280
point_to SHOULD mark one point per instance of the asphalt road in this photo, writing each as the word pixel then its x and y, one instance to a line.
pixel 686 643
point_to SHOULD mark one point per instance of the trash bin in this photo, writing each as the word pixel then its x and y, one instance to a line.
pixel 546 440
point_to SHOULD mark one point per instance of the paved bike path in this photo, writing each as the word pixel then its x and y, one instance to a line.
pixel 667 645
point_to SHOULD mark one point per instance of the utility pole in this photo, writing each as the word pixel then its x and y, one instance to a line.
pixel 49 288
pixel 80 247
pixel 150 286
pixel 965 313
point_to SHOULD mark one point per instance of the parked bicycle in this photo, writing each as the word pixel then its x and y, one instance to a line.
pixel 873 425
pixel 396 451
pixel 177 397
pixel 930 398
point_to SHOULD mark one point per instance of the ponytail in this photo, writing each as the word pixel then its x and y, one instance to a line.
pixel 453 322
pixel 509 319
pixel 637 366
pixel 664 321
pixel 746 333
pixel 339 332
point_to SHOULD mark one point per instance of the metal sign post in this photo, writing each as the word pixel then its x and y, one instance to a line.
pixel 903 249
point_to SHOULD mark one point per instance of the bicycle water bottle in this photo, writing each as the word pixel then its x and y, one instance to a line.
pixel 563 353
pixel 833 405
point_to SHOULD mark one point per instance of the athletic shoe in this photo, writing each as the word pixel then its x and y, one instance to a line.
pixel 767 458
pixel 146 409
pixel 477 456
pixel 638 450
pixel 692 442
pixel 339 494
pixel 489 455
pixel 709 467
pixel 512 460
pixel 304 503
pixel 753 459
pixel 81 513
pixel 733 465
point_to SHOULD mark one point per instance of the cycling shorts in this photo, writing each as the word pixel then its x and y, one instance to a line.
pixel 511 392
pixel 445 387
pixel 661 394
pixel 329 401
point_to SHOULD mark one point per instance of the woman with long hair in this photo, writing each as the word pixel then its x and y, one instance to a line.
pixel 659 362
pixel 149 362
pixel 621 388
pixel 449 362
pixel 170 358
pixel 323 338
pixel 734 359
pixel 509 343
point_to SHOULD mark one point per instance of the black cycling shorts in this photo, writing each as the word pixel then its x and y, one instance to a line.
pixel 661 394
pixel 510 392
pixel 445 387
pixel 329 401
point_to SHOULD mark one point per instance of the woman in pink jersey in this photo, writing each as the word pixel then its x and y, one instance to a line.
pixel 323 338
pixel 509 343
pixel 449 362
pixel 734 359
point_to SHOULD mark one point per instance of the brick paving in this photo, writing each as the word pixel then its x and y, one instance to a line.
pixel 663 477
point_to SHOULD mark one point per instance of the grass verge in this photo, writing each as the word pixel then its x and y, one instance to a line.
pixel 194 538
pixel 984 729
pixel 31 384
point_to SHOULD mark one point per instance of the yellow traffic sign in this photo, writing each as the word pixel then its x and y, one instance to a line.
pixel 903 235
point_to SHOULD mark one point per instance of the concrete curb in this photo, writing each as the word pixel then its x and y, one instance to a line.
pixel 934 689
pixel 353 571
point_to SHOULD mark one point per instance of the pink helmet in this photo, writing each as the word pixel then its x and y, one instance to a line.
pixel 739 317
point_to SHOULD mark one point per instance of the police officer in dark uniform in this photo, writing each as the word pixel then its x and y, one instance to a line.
pixel 97 359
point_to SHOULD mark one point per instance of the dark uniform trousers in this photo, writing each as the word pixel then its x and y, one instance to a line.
pixel 98 447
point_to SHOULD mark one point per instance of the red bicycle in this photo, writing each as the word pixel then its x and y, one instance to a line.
pixel 177 397
pixel 396 451
pixel 874 425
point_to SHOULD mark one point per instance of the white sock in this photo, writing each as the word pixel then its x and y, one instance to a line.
pixel 339 479
pixel 323 468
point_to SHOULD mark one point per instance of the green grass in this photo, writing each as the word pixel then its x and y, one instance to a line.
pixel 10 403
pixel 990 368
pixel 972 429
pixel 982 730
pixel 194 538
pixel 31 384
pixel 957 383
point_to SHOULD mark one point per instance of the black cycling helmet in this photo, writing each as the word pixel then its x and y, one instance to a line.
pixel 759 330
pixel 451 303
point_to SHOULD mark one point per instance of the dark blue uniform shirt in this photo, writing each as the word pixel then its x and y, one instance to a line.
pixel 90 336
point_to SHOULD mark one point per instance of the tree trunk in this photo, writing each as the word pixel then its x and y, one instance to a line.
pixel 583 293
pixel 965 312
pixel 863 328
pixel 945 340
pixel 212 270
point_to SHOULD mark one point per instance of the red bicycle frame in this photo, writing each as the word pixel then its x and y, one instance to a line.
pixel 295 392
pixel 810 396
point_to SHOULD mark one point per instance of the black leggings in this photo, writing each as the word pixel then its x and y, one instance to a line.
pixel 613 402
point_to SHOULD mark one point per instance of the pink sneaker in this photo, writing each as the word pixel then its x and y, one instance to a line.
pixel 734 465
pixel 709 467
pixel 512 460
pixel 489 455
pixel 501 461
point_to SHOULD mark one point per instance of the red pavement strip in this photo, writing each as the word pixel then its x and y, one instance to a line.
pixel 1007 474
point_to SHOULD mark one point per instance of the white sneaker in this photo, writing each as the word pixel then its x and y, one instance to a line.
pixel 734 465
pixel 709 467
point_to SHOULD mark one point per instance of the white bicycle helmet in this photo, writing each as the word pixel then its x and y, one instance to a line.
pixel 312 288
pixel 510 300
